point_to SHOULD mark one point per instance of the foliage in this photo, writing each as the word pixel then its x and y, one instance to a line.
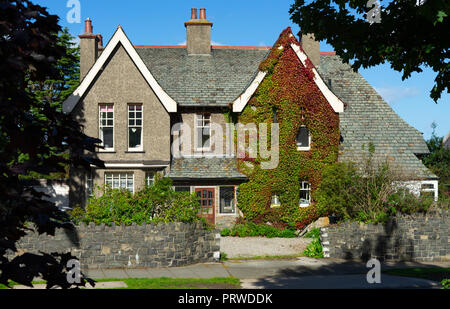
pixel 409 36
pixel 34 135
pixel 445 284
pixel 438 161
pixel 288 90
pixel 251 229
pixel 313 233
pixel 366 196
pixel 223 256
pixel 156 203
pixel 314 249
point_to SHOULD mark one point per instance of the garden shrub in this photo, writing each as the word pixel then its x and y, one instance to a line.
pixel 314 249
pixel 373 194
pixel 156 203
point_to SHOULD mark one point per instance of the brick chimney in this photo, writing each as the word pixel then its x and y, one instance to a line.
pixel 198 34
pixel 89 48
pixel 311 48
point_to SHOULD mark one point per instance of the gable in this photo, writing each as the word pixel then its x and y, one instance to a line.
pixel 337 105
pixel 119 39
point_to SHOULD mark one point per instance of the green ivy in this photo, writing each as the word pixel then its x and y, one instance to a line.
pixel 289 91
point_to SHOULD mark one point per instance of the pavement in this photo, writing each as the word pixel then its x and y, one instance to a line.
pixel 299 273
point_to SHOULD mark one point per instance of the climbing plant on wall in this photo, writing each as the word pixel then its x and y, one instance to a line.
pixel 289 95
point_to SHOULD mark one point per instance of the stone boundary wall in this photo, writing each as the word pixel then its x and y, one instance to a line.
pixel 417 237
pixel 105 247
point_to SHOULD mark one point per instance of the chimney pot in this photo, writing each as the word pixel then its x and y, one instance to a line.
pixel 193 13
pixel 202 13
pixel 88 26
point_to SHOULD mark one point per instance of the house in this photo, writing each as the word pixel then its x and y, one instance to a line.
pixel 137 98
pixel 446 141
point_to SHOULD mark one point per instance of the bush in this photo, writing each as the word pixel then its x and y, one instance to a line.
pixel 251 229
pixel 367 195
pixel 157 203
pixel 445 284
pixel 314 249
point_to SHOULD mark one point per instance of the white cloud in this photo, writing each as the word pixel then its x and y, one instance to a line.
pixel 395 94
pixel 182 43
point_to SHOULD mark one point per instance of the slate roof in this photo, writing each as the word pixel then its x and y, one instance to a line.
pixel 199 80
pixel 368 118
pixel 205 168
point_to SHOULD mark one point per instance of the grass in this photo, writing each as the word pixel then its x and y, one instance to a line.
pixel 431 273
pixel 171 283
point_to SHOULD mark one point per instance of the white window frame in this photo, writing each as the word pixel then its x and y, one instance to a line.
pixel 275 205
pixel 300 148
pixel 120 177
pixel 90 185
pixel 101 126
pixel 141 147
pixel 308 189
pixel 150 176
pixel 201 117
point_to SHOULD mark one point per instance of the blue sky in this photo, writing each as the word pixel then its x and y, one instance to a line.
pixel 251 23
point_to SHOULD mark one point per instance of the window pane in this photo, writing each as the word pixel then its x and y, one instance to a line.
pixel 183 189
pixel 139 115
pixel 303 137
pixel 227 200
pixel 108 137
pixel 135 137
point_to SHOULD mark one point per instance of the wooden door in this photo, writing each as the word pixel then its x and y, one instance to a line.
pixel 206 198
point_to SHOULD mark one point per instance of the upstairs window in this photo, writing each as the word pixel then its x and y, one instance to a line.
pixel 203 131
pixel 106 125
pixel 135 127
pixel 305 194
pixel 303 139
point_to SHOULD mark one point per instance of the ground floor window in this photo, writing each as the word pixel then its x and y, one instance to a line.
pixel 89 184
pixel 120 180
pixel 227 200
pixel 183 189
pixel 149 178
pixel 305 194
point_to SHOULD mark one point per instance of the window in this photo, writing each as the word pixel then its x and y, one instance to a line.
pixel 182 189
pixel 303 139
pixel 275 201
pixel 135 126
pixel 89 184
pixel 203 131
pixel 106 125
pixel 120 181
pixel 149 178
pixel 227 200
pixel 305 194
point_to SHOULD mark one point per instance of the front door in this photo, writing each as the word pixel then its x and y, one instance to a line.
pixel 206 199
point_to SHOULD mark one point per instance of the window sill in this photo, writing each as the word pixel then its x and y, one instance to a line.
pixel 135 151
pixel 106 151
pixel 303 148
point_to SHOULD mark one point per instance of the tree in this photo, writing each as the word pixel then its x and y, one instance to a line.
pixel 410 34
pixel 438 160
pixel 34 135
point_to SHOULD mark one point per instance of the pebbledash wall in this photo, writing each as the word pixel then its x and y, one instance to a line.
pixel 107 247
pixel 418 237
